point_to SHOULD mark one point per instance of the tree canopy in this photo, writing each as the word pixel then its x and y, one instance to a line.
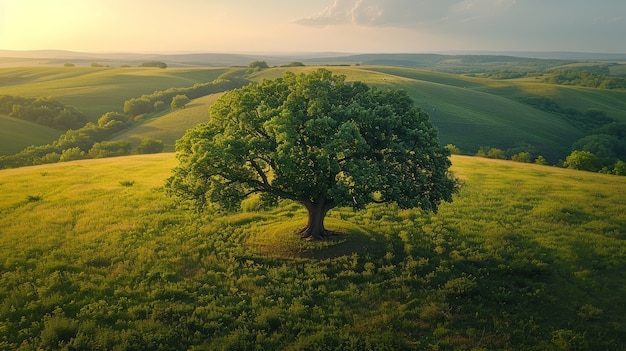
pixel 316 139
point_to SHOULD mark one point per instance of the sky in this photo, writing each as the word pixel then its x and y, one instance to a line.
pixel 301 26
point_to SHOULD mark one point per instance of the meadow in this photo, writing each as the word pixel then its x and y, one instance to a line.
pixel 94 255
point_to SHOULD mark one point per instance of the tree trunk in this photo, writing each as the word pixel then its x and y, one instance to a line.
pixel 315 225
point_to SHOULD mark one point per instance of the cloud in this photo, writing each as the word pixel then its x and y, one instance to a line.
pixel 404 13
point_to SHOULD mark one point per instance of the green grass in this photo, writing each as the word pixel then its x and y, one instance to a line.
pixel 17 134
pixel 95 91
pixel 171 125
pixel 95 255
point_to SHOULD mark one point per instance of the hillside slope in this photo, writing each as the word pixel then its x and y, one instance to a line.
pixel 95 254
pixel 171 126
pixel 97 90
pixel 17 134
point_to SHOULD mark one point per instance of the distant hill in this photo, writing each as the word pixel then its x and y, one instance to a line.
pixel 423 60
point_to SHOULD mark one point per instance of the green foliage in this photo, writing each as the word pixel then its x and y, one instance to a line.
pixel 72 154
pixel 44 111
pixel 158 64
pixel 607 148
pixel 179 101
pixel 148 103
pixel 540 160
pixel 294 64
pixel 109 149
pixel 258 65
pixel 582 160
pixel 316 139
pixel 620 168
pixel 493 152
pixel 525 157
pixel 453 149
pixel 150 146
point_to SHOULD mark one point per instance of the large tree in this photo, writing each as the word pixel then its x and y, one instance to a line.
pixel 316 139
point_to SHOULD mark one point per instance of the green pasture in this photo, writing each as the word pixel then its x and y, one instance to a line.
pixel 97 90
pixel 172 125
pixel 94 255
pixel 17 134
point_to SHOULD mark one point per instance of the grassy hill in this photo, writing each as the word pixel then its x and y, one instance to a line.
pixel 94 255
pixel 172 125
pixel 97 90
pixel 17 134
pixel 470 112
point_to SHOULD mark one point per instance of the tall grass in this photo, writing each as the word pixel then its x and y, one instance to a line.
pixel 526 257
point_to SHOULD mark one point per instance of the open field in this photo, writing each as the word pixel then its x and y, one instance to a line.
pixel 94 255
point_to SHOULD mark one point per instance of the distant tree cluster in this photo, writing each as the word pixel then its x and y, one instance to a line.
pixel 524 153
pixel 258 64
pixel 160 100
pixel 90 141
pixel 294 64
pixel 594 77
pixel 158 64
pixel 45 111
pixel 604 152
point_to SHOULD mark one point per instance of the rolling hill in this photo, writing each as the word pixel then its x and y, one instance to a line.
pixel 17 134
pixel 470 112
pixel 97 90
pixel 172 125
pixel 95 255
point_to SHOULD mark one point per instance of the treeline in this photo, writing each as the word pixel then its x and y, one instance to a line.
pixel 602 151
pixel 161 100
pixel 86 142
pixel 45 111
pixel 594 77
pixel 90 141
